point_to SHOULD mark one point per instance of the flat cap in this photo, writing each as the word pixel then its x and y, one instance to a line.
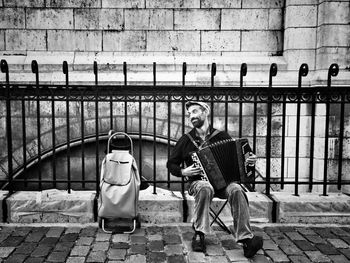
pixel 200 103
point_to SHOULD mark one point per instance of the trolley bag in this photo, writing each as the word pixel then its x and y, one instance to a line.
pixel 119 189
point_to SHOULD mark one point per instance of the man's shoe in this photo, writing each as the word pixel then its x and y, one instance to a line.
pixel 198 245
pixel 251 246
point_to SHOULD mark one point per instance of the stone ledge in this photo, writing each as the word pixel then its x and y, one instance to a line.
pixel 312 208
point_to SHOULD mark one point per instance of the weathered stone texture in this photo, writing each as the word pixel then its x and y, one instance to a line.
pixel 98 19
pixel 49 18
pixel 299 38
pixel 276 19
pixel 221 4
pixel 262 41
pixel 244 19
pixel 262 4
pixel 26 39
pixel 172 4
pixel 297 16
pixel 333 36
pixel 124 41
pixel 12 18
pixel 197 19
pixel 2 47
pixel 65 40
pixel 173 41
pixel 24 3
pixel 220 41
pixel 297 57
pixel 123 4
pixel 328 55
pixel 73 3
pixel 334 13
pixel 148 19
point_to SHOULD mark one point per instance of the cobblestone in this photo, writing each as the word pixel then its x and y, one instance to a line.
pixel 170 244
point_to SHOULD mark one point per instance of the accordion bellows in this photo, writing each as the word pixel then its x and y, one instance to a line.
pixel 224 162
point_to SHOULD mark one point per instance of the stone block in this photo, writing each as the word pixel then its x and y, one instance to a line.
pixel 244 19
pixel 123 4
pixel 197 19
pixel 276 19
pixel 148 19
pixel 300 38
pixel 67 40
pixel 220 41
pixel 301 16
pixel 301 2
pixel 2 40
pixel 49 18
pixel 163 207
pixel 220 4
pixel 24 3
pixel 173 4
pixel 98 19
pixel 270 41
pixel 124 41
pixel 25 39
pixel 263 4
pixel 295 58
pixel 12 18
pixel 51 206
pixel 333 36
pixel 334 13
pixel 73 3
pixel 312 208
pixel 173 41
pixel 325 56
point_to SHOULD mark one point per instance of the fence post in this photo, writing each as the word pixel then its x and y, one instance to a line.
pixel 5 69
pixel 332 72
pixel 273 73
pixel 243 73
pixel 65 71
pixel 303 71
pixel 154 129
pixel 213 74
pixel 97 145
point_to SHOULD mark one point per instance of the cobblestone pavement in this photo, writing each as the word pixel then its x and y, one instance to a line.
pixel 170 243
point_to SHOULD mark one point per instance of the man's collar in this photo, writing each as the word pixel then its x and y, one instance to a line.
pixel 195 134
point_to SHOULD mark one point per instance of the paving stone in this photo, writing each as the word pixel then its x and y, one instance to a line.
pixel 236 255
pixel 177 259
pixel 139 232
pixel 55 232
pixel 116 254
pixel 87 241
pixel 187 236
pixel 136 259
pixel 260 259
pixel 196 257
pixel 317 256
pixel 137 249
pixel 156 257
pixel 171 250
pixel 138 239
pixel 229 244
pixel 64 246
pixel 306 231
pixel 339 232
pixel 324 232
pixel 49 241
pixel 97 256
pixel 100 246
pixel 152 230
pixel 346 239
pixel 304 245
pixel 34 260
pixel 327 249
pixel 80 251
pixel 21 231
pixel 277 256
pixel 120 245
pixel 16 258
pixel 294 236
pixel 270 245
pixel 25 248
pixel 338 243
pixel 155 237
pixel 215 250
pixel 156 245
pixel 76 260
pixel 172 239
pixel 338 258
pixel 71 237
pixel 12 241
pixel 316 239
pixel 345 252
pixel 88 232
pixel 58 256
pixel 290 249
pixel 72 230
pixel 35 236
pixel 120 238
pixel 103 237
pixel 41 251
pixel 170 230
pixel 220 259
pixel 299 259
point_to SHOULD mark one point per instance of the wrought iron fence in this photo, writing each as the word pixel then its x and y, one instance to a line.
pixel 27 144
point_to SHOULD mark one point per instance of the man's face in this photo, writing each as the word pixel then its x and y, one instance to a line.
pixel 197 115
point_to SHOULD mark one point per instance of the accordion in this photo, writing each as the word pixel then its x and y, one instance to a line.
pixel 224 162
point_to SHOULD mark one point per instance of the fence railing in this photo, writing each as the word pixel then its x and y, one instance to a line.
pixel 47 123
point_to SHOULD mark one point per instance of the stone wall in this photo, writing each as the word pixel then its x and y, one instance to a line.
pixel 142 25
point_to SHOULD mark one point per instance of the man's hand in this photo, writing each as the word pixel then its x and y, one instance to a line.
pixel 191 171
pixel 251 160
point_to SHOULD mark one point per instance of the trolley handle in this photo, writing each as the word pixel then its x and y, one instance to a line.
pixel 121 133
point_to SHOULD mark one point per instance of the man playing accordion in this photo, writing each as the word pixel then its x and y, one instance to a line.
pixel 203 192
